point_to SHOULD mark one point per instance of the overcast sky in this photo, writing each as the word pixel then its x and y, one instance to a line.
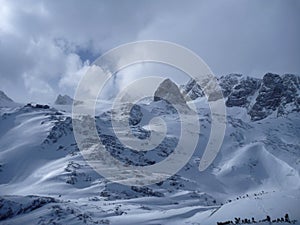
pixel 46 46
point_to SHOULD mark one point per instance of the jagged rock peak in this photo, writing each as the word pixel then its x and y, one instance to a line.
pixel 242 92
pixel 63 100
pixel 279 94
pixel 227 82
pixel 192 90
pixel 261 97
pixel 170 92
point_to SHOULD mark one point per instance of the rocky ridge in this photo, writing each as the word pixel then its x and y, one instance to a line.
pixel 273 94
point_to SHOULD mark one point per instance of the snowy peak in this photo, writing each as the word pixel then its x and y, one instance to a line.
pixel 64 100
pixel 192 89
pixel 169 91
pixel 4 97
pixel 279 94
pixel 261 97
pixel 5 101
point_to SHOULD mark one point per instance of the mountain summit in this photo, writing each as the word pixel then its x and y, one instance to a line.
pixel 64 100
pixel 170 92
pixel 4 97
pixel 273 94
pixel 5 101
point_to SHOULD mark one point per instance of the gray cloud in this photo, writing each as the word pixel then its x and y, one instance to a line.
pixel 45 46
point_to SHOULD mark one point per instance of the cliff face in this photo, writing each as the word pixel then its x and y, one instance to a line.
pixel 261 97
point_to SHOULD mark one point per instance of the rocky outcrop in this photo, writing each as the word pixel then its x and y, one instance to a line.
pixel 207 86
pixel 227 82
pixel 241 93
pixel 290 100
pixel 192 89
pixel 279 94
pixel 11 206
pixel 261 97
pixel 269 97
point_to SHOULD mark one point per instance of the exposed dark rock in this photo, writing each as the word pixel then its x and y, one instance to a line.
pixel 261 97
pixel 290 100
pixel 11 206
pixel 192 89
pixel 147 191
pixel 241 92
pixel 136 115
pixel 269 97
pixel 227 83
pixel 37 106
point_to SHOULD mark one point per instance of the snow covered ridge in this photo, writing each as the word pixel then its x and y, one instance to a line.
pixel 45 180
pixel 273 94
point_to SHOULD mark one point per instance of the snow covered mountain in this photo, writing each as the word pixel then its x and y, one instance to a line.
pixel 64 100
pixel 5 101
pixel 45 180
pixel 273 94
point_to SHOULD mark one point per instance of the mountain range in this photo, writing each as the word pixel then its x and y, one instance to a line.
pixel 45 180
pixel 261 97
